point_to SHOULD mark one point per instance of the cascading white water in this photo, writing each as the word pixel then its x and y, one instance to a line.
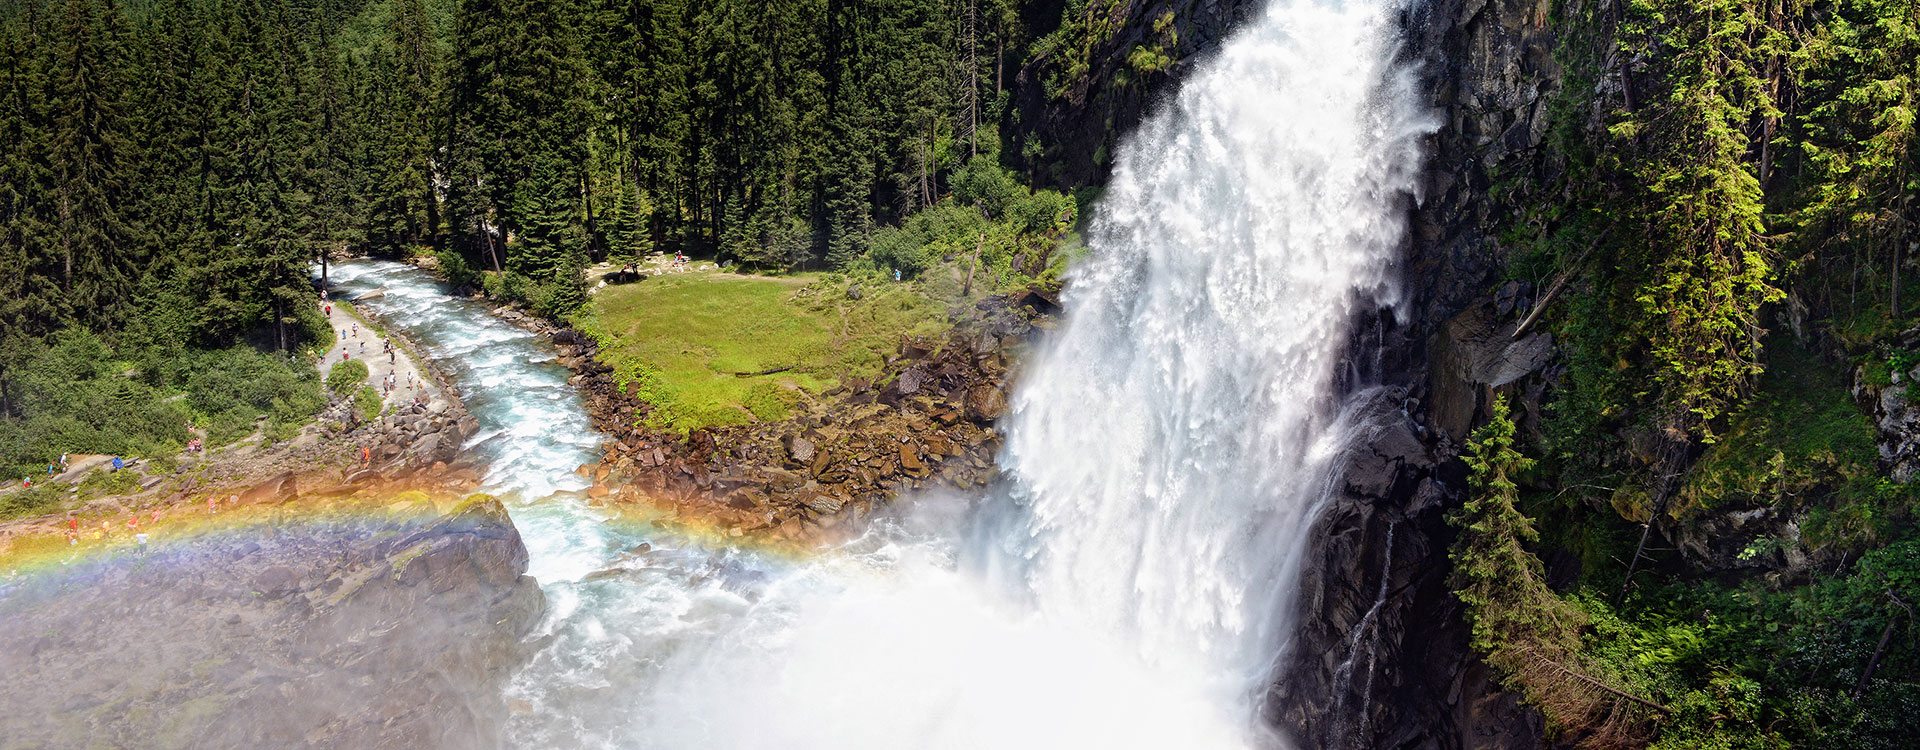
pixel 1171 446
pixel 1129 584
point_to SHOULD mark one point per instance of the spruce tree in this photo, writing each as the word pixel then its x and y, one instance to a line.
pixel 89 150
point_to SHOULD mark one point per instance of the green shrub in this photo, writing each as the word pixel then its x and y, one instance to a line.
pixel 1045 211
pixel 986 185
pixel 505 286
pixel 366 404
pixel 347 375
pixel 79 396
pixel 455 269
pixel 104 483
pixel 40 499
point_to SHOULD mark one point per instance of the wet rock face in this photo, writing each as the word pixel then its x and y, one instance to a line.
pixel 344 633
pixel 1896 420
pixel 1382 658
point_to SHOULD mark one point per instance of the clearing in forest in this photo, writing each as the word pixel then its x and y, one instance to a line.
pixel 712 348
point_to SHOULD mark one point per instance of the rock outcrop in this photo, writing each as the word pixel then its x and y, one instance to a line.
pixel 368 627
pixel 928 422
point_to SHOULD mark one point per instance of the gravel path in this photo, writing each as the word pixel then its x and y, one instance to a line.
pixel 356 338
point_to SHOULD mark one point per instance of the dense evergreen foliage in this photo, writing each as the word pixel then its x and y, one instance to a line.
pixel 173 167
pixel 1730 194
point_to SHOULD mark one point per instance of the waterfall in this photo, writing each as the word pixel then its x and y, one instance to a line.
pixel 1129 583
pixel 1129 586
pixel 1172 445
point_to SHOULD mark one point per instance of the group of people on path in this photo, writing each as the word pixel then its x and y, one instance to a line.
pixel 55 469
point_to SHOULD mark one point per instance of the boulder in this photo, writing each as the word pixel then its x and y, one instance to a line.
pixel 326 631
pixel 985 403
pixel 799 449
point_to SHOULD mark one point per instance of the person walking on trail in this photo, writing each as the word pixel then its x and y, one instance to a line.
pixel 366 456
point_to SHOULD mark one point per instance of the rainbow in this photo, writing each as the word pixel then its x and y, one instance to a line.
pixel 190 529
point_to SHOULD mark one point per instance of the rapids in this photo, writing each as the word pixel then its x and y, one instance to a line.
pixel 1127 584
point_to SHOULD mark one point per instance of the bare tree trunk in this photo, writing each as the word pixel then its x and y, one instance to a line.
pixel 1773 93
pixel 595 251
pixel 493 249
pixel 1894 303
pixel 926 167
pixel 973 79
pixel 967 288
pixel 1886 639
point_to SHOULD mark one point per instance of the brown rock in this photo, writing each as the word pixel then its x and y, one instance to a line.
pixel 910 459
pixel 800 449
pixel 823 504
pixel 985 403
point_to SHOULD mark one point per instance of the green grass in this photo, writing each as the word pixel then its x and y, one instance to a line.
pixel 690 343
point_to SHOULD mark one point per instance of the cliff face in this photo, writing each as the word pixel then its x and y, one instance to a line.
pixel 362 630
pixel 1382 659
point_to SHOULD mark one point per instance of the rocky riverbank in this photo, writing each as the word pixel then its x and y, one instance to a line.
pixel 418 444
pixel 927 422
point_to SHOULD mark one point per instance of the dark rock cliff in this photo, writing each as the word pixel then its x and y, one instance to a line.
pixel 1382 658
pixel 383 628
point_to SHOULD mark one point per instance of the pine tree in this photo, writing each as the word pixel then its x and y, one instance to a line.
pixel 1528 634
pixel 88 157
pixel 628 237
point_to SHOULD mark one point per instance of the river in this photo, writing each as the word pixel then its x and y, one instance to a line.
pixel 1129 584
